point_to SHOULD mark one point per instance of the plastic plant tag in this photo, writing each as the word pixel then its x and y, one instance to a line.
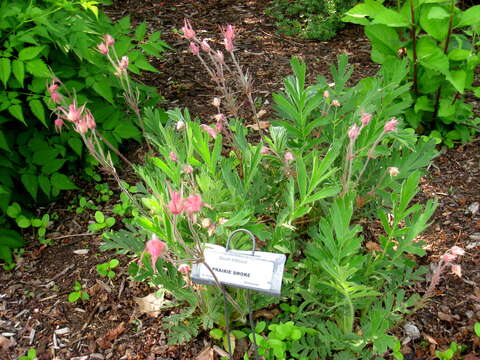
pixel 258 271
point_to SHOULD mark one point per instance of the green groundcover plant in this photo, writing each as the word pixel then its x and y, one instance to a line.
pixel 38 38
pixel 332 155
pixel 309 19
pixel 440 42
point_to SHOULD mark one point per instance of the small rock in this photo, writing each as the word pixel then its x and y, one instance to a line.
pixel 475 236
pixel 62 331
pixel 474 207
pixel 411 331
pixel 472 245
pixel 80 252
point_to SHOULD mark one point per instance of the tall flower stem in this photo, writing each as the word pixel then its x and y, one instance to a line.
pixel 413 34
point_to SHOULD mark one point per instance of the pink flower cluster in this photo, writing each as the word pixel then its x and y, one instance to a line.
pixel 190 205
pixel 156 248
pixel 196 45
pixel 354 130
pixel 104 48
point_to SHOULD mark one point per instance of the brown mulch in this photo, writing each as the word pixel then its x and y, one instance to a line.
pixel 34 311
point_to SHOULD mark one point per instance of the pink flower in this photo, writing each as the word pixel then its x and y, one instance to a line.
pixel 205 47
pixel 219 57
pixel 209 130
pixel 81 126
pixel 188 31
pixel 229 32
pixel 365 118
pixel 391 125
pixel 194 48
pixel 52 88
pixel 393 171
pixel 184 269
pixel 456 270
pixel 74 113
pixel 56 97
pixel 89 120
pixel 176 204
pixel 353 132
pixel 58 124
pixel 187 169
pixel 155 247
pixel 265 150
pixel 173 156
pixel 326 94
pixel 228 44
pixel 456 250
pixel 336 103
pixel 109 40
pixel 221 120
pixel 180 125
pixel 193 204
pixel 123 64
pixel 216 102
pixel 288 157
pixel 206 223
pixel 103 48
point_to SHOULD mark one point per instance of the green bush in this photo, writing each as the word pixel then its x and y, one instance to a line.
pixel 309 19
pixel 441 43
pixel 39 40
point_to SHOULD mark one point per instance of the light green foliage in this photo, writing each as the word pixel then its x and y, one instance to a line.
pixel 106 269
pixel 449 353
pixel 305 207
pixel 31 355
pixel 44 38
pixel 476 329
pixel 78 293
pixel 309 19
pixel 440 43
pixel 101 222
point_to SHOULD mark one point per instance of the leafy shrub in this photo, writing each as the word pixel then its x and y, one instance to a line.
pixel 440 42
pixel 309 19
pixel 39 38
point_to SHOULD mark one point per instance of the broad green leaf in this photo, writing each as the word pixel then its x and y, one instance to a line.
pixel 126 130
pixel 62 182
pixel 44 183
pixel 438 12
pixel 436 27
pixel 17 112
pixel 457 78
pixel 423 103
pixel 18 69
pixel 384 40
pixel 5 253
pixel 390 18
pixel 99 217
pixel 30 52
pixel 23 222
pixel 446 108
pixel 31 184
pixel 459 54
pixel 103 89
pixel 3 142
pixel 14 210
pixel 38 68
pixel 140 31
pixel 53 166
pixel 5 70
pixel 431 56
pixel 470 16
pixel 11 238
pixel 143 64
pixel 74 296
pixel 37 109
pixel 76 144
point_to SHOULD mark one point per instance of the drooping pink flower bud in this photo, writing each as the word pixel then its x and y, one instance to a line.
pixel 58 124
pixel 221 120
pixel 209 130
pixel 193 204
pixel 228 44
pixel 353 132
pixel 81 126
pixel 180 125
pixel 56 97
pixel 205 46
pixel 229 32
pixel 456 270
pixel 89 120
pixel 155 247
pixel 326 94
pixel 52 88
pixel 109 40
pixel 187 169
pixel 265 150
pixel 391 125
pixel 336 103
pixel 457 250
pixel 206 223
pixel 188 31
pixel 103 48
pixel 176 204
pixel 194 48
pixel 216 102
pixel 74 113
pixel 365 118
pixel 173 156
pixel 123 64
pixel 184 269
pixel 288 157
pixel 219 57
pixel 393 171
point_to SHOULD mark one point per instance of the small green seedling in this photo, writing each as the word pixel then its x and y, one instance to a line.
pixel 105 269
pixel 84 204
pixel 476 328
pixel 78 294
pixel 449 353
pixel 101 222
pixel 31 355
pixel 105 192
pixel 24 221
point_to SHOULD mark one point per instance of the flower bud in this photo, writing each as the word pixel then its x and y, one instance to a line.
pixel 393 171
pixel 173 156
pixel 326 94
pixel 155 247
pixel 188 31
pixel 103 48
pixel 180 125
pixel 365 118
pixel 206 223
pixel 219 57
pixel 205 46
pixel 109 40
pixel 184 269
pixel 194 48
pixel 353 132
pixel 391 125
pixel 216 102
pixel 336 103
pixel 288 157
pixel 58 124
pixel 187 169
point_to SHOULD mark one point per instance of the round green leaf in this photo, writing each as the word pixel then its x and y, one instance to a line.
pixel 14 210
pixel 74 296
pixel 113 263
pixel 99 217
pixel 23 222
pixel 217 334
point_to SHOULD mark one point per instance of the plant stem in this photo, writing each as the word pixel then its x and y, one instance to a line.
pixel 413 34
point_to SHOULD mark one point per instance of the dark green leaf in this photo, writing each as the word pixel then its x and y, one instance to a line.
pixel 38 68
pixel 5 70
pixel 30 52
pixel 62 182
pixel 37 109
pixel 18 69
pixel 17 112
pixel 103 89
pixel 31 184
pixel 53 166
pixel 76 144
pixel 11 238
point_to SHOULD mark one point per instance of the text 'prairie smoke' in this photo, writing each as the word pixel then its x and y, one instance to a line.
pixel 155 247
pixel 193 204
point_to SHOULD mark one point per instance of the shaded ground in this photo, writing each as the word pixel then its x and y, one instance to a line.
pixel 34 311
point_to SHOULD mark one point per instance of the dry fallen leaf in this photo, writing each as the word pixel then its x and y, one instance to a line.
pixel 263 125
pixel 151 304
pixel 206 354
pixel 5 344
pixel 373 246
pixel 444 317
pixel 106 341
pixel 471 356
pixel 430 339
pixel 267 314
